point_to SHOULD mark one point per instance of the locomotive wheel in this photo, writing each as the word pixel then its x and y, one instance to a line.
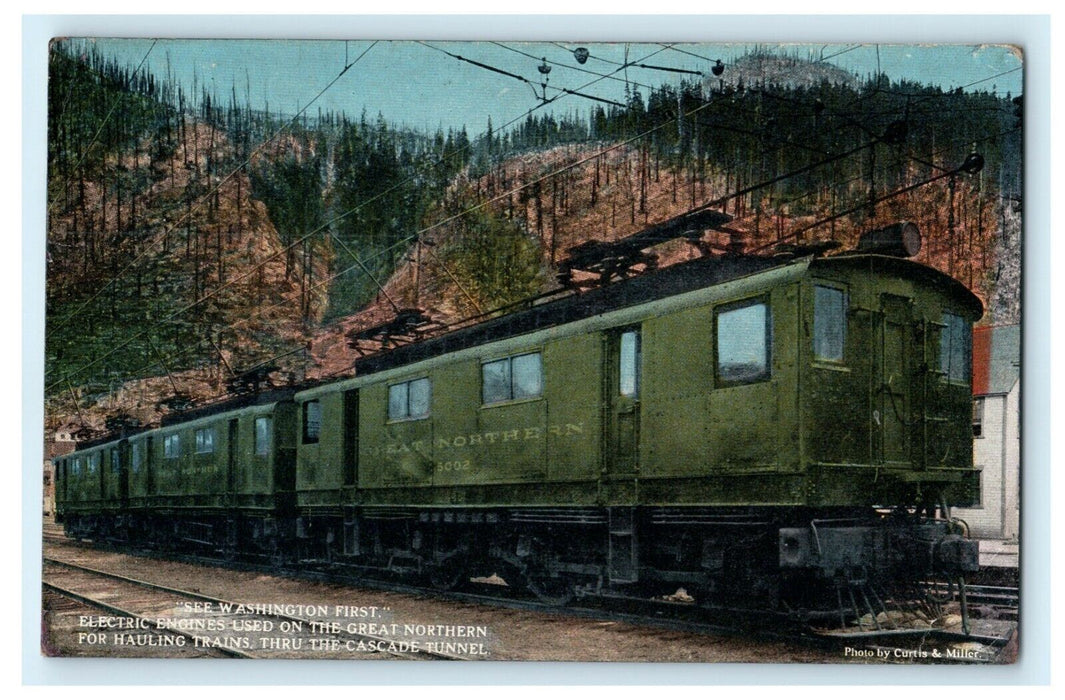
pixel 548 589
pixel 449 572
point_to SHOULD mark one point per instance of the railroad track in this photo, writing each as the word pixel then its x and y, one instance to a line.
pixel 665 615
pixel 996 602
pixel 1000 596
pixel 143 613
pixel 64 608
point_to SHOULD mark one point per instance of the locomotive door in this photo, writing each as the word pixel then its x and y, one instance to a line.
pixel 623 392
pixel 149 466
pixel 892 413
pixel 351 437
pixel 621 463
pixel 231 456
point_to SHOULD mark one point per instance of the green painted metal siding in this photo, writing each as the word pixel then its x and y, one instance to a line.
pixel 391 453
pixel 320 465
pixel 463 441
pixel 204 479
pixel 139 478
pixel 805 434
pixel 575 399
pixel 883 424
pixel 85 485
pixel 255 474
pixel 694 424
pixel 113 477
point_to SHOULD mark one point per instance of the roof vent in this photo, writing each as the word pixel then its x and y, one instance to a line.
pixel 901 240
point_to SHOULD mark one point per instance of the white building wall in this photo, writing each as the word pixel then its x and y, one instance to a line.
pixel 1011 501
pixel 997 455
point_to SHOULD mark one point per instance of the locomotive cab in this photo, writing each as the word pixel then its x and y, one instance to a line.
pixel 887 359
pixel 883 393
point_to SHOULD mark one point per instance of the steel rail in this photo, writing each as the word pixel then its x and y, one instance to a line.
pixel 798 634
pixel 115 610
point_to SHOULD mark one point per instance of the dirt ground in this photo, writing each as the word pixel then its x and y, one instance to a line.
pixel 506 634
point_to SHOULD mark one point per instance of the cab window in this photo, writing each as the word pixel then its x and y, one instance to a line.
pixel 262 435
pixel 830 323
pixel 629 364
pixel 744 343
pixel 312 421
pixel 172 446
pixel 955 349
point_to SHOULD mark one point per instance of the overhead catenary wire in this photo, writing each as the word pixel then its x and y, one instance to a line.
pixel 943 149
pixel 851 210
pixel 471 209
pixel 395 245
pixel 348 65
pixel 567 66
pixel 324 226
pixel 766 93
pixel 188 349
pixel 838 53
pixel 719 200
pixel 716 202
pixel 486 66
pixel 525 80
pixel 674 47
pixel 195 207
pixel 210 193
pixel 410 238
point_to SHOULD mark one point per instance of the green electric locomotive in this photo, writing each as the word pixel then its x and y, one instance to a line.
pixel 219 479
pixel 768 432
pixel 730 424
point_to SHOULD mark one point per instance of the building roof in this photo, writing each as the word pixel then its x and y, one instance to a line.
pixel 996 359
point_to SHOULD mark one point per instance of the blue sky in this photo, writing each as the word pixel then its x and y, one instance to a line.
pixel 418 85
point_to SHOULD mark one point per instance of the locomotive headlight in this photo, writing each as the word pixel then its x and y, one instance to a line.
pixel 901 240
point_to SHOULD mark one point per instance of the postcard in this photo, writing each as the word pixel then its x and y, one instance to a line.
pixel 539 351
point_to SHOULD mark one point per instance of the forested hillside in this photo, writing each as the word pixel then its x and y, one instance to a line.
pixel 193 238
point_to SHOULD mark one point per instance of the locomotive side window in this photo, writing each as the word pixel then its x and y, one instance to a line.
pixel 512 378
pixel 94 462
pixel 830 323
pixel 629 364
pixel 312 421
pixel 409 400
pixel 495 378
pixel 262 436
pixel 135 457
pixel 172 446
pixel 204 441
pixel 955 349
pixel 116 465
pixel 526 376
pixel 744 339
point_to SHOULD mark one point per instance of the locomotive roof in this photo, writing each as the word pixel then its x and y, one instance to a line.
pixel 264 398
pixel 671 281
pixel 907 268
